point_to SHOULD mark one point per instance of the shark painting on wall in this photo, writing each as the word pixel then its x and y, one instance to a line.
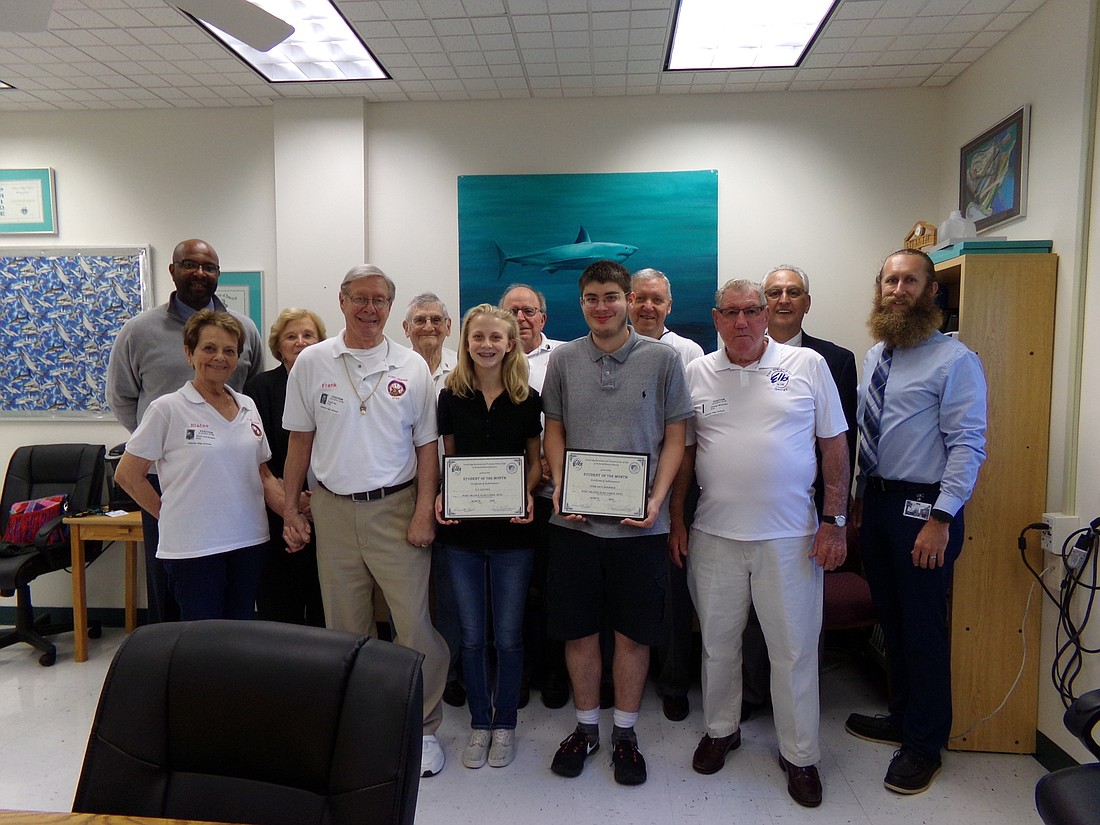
pixel 518 228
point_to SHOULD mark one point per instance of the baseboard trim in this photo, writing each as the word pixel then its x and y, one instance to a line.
pixel 106 616
pixel 1050 755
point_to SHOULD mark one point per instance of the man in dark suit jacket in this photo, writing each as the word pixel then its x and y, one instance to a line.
pixel 787 290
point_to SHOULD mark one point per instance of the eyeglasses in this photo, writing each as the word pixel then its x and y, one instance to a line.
pixel 526 312
pixel 424 320
pixel 776 292
pixel 593 301
pixel 731 313
pixel 361 301
pixel 188 265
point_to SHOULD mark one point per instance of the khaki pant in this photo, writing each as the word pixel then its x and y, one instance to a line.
pixel 361 543
pixel 777 575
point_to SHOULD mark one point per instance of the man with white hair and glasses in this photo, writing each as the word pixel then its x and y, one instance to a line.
pixel 361 412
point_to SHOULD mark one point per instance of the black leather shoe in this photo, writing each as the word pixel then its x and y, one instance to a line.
pixel 803 784
pixel 911 772
pixel 555 690
pixel 676 708
pixel 454 694
pixel 749 709
pixel 880 729
pixel 710 754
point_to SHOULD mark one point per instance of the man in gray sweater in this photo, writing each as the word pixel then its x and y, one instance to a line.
pixel 147 361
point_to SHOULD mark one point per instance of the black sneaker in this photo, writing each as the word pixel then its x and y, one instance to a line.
pixel 574 749
pixel 629 763
pixel 911 772
pixel 880 729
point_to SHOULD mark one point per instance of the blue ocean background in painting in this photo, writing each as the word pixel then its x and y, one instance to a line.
pixel 671 217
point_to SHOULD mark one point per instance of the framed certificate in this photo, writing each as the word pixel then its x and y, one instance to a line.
pixel 27 202
pixel 597 483
pixel 484 486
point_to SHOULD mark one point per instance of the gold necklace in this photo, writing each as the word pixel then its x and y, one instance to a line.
pixel 355 385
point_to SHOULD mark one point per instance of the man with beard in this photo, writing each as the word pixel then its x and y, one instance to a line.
pixel 147 361
pixel 922 414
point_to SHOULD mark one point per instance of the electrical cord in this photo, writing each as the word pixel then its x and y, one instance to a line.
pixel 1078 576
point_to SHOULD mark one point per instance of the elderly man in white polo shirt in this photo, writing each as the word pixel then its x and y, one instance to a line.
pixel 760 409
pixel 361 412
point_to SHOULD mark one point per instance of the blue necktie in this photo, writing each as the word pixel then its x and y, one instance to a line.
pixel 870 426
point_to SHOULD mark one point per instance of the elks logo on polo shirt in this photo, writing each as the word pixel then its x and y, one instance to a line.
pixel 256 431
pixel 779 378
pixel 396 388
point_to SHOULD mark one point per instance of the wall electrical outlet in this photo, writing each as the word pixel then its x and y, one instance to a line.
pixel 1061 526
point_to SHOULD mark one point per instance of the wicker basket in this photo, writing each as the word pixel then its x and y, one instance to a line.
pixel 921 235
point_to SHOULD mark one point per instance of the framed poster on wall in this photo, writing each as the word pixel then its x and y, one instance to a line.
pixel 993 172
pixel 544 230
pixel 27 202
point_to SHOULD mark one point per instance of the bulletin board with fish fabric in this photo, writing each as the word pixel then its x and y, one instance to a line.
pixel 60 310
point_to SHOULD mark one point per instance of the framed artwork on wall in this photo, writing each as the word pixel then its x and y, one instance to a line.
pixel 28 205
pixel 543 230
pixel 993 172
pixel 243 293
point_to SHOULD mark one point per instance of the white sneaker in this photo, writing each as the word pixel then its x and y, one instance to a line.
pixel 503 749
pixel 477 749
pixel 431 757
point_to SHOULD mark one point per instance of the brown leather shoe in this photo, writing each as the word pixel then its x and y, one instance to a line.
pixel 710 755
pixel 803 784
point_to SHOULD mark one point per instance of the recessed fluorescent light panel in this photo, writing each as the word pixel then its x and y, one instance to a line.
pixel 720 34
pixel 323 47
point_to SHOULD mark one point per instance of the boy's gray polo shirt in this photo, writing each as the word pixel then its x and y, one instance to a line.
pixel 619 401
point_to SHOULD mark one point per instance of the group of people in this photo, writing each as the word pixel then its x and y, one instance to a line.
pixel 750 454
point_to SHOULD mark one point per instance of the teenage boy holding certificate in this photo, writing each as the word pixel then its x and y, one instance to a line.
pixel 616 392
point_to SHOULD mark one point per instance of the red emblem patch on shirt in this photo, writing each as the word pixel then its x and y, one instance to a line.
pixel 396 388
pixel 256 431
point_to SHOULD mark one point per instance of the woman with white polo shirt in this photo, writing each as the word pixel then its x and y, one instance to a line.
pixel 210 450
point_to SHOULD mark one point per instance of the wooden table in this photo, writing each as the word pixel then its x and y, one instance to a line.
pixel 125 528
pixel 39 818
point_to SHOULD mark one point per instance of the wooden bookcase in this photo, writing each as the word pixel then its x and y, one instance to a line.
pixel 1005 306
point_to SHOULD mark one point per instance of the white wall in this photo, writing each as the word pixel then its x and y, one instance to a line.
pixel 1044 63
pixel 829 181
pixel 135 178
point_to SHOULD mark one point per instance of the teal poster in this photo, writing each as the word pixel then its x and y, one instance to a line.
pixel 543 230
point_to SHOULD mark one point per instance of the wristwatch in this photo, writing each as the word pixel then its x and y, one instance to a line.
pixel 839 521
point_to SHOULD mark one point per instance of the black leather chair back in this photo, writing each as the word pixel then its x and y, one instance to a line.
pixel 259 723
pixel 74 470
pixel 1071 796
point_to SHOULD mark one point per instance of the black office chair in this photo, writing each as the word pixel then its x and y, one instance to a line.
pixel 260 723
pixel 74 470
pixel 1071 796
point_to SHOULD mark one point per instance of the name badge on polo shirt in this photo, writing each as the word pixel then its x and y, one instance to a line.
pixel 917 509
pixel 198 435
pixel 715 407
pixel 329 400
